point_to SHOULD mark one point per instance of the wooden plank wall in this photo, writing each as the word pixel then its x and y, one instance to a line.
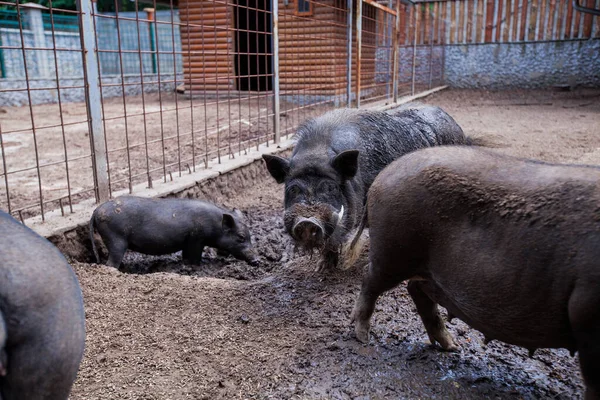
pixel 312 48
pixel 497 21
pixel 207 45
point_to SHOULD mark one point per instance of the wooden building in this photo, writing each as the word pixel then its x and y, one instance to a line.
pixel 227 45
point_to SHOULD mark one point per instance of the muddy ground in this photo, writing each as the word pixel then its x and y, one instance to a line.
pixel 160 330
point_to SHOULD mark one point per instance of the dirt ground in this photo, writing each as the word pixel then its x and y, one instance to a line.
pixel 164 133
pixel 224 330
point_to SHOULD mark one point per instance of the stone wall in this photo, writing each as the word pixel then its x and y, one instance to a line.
pixel 523 65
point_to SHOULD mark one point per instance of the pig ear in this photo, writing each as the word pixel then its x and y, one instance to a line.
pixel 346 163
pixel 278 167
pixel 238 213
pixel 228 222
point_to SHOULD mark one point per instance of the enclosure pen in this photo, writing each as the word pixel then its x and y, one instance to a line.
pixel 143 97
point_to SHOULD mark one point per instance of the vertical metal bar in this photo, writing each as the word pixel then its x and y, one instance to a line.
pixel 431 44
pixel 94 102
pixel 137 23
pixel 151 16
pixel 238 75
pixel 395 51
pixel 96 30
pixel 37 160
pixel 156 54
pixel 358 50
pixel 176 91
pixel 217 91
pixel 229 82
pixel 190 82
pixel 349 52
pixel 414 60
pixel 2 68
pixel 205 92
pixel 5 170
pixel 257 76
pixel 60 110
pixel 129 183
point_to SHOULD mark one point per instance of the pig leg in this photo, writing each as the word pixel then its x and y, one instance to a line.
pixel 328 261
pixel 585 323
pixel 373 286
pixel 429 313
pixel 117 247
pixel 192 253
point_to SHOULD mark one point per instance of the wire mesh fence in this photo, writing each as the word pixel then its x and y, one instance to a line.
pixel 95 104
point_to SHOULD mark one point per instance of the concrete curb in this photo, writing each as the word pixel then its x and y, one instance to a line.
pixel 56 224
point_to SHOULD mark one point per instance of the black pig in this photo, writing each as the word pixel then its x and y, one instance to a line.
pixel 509 246
pixel 164 226
pixel 336 158
pixel 42 321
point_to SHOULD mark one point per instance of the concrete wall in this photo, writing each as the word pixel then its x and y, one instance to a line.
pixel 41 65
pixel 20 98
pixel 523 65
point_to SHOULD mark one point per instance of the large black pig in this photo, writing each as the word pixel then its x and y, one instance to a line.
pixel 509 246
pixel 164 226
pixel 336 158
pixel 42 322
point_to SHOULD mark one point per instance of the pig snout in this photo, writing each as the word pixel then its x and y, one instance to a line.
pixel 308 230
pixel 252 259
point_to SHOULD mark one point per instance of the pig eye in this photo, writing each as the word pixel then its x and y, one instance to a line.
pixel 294 190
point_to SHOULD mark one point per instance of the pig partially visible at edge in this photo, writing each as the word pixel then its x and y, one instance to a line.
pixel 509 246
pixel 336 158
pixel 42 320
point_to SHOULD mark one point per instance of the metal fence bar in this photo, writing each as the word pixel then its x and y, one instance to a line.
pixel 358 50
pixel 276 92
pixel 93 99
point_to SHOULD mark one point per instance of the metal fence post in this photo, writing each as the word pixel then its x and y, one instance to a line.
pixel 349 50
pixel 36 25
pixel 150 16
pixel 358 50
pixel 275 44
pixel 414 60
pixel 395 52
pixel 93 99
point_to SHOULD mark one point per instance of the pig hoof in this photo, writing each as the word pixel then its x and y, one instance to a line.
pixel 362 333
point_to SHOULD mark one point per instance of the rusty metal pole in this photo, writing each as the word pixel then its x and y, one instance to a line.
pixel 275 44
pixel 358 50
pixel 93 99
pixel 395 52
pixel 349 51
pixel 414 67
pixel 431 50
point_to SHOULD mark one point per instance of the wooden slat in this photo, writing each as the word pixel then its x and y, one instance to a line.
pixel 542 18
pixel 425 17
pixel 577 16
pixel 510 23
pixel 533 14
pixel 436 23
pixel 588 19
pixel 499 20
pixel 523 19
pixel 470 21
pixel 597 22
pixel 453 20
pixel 489 21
